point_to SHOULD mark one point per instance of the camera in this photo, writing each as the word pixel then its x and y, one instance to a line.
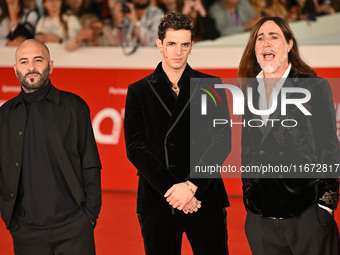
pixel 126 8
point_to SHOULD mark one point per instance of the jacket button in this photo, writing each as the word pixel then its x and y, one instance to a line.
pixel 12 195
pixel 261 152
pixel 17 164
pixel 281 153
pixel 20 132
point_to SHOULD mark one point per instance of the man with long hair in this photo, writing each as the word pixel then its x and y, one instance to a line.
pixel 287 214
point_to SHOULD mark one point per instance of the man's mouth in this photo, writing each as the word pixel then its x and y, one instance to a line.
pixel 268 56
pixel 32 75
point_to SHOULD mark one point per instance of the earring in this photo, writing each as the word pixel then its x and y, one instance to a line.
pixel 189 53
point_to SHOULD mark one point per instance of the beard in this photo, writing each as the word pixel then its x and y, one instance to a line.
pixel 269 67
pixel 34 83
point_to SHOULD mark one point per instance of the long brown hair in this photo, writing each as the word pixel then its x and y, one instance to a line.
pixel 61 19
pixel 5 11
pixel 249 67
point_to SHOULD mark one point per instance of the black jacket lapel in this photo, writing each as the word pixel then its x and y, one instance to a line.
pixel 158 85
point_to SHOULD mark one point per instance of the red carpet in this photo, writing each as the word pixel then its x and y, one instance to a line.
pixel 118 233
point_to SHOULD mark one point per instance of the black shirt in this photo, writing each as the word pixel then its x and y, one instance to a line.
pixel 44 198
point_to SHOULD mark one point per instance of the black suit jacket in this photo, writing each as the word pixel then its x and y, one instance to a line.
pixel 314 140
pixel 160 145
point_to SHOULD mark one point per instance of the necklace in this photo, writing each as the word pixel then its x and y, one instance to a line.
pixel 175 88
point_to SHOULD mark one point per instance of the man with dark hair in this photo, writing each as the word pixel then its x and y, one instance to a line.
pixel 288 213
pixel 50 192
pixel 160 144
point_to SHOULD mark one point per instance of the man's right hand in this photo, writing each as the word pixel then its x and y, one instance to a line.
pixel 192 206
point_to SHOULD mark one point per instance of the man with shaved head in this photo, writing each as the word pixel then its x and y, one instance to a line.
pixel 50 191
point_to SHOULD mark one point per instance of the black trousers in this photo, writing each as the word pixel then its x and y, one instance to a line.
pixel 75 238
pixel 206 232
pixel 314 232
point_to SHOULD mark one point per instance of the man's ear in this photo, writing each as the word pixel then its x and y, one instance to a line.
pixel 290 45
pixel 15 69
pixel 51 63
pixel 192 45
pixel 159 44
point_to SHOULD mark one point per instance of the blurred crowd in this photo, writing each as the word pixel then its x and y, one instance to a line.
pixel 133 23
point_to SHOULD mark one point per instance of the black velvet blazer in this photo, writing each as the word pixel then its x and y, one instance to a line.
pixel 160 145
pixel 313 141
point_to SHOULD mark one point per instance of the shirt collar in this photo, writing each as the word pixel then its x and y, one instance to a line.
pixel 261 88
pixel 185 76
pixel 53 95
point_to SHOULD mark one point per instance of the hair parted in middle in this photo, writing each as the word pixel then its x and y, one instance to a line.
pixel 249 67
pixel 175 21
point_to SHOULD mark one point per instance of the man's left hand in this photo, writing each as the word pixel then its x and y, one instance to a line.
pixel 179 195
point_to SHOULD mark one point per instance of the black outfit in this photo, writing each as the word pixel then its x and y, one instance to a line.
pixel 159 141
pixel 313 140
pixel 55 165
pixel 24 28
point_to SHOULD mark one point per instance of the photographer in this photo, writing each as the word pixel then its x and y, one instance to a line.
pixel 92 33
pixel 138 22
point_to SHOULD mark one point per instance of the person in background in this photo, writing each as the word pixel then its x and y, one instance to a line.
pixel 17 23
pixel 167 5
pixel 30 5
pixel 288 212
pixel 270 8
pixel 205 27
pixel 78 7
pixel 138 23
pixel 301 10
pixel 92 33
pixel 308 9
pixel 233 16
pixel 50 189
pixel 56 26
pixel 324 7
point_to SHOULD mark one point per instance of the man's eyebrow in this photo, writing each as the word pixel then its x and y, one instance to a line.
pixel 37 57
pixel 177 42
pixel 23 59
pixel 270 33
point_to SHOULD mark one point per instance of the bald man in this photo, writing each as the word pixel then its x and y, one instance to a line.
pixel 50 192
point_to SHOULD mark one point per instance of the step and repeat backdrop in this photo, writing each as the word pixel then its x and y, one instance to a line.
pixel 101 77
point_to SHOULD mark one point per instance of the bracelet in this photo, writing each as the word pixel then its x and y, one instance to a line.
pixel 190 187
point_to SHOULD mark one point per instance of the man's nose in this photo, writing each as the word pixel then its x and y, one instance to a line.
pixel 31 66
pixel 179 49
pixel 266 42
